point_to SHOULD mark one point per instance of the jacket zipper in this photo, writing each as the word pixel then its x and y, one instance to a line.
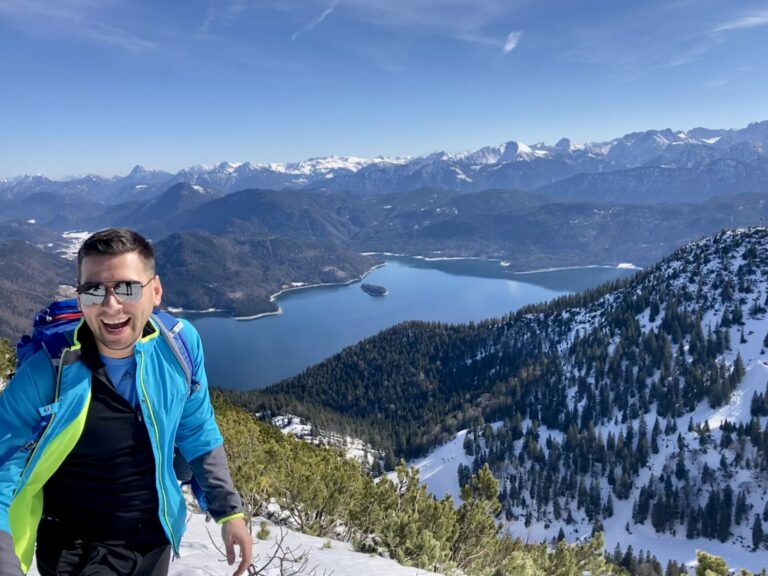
pixel 159 456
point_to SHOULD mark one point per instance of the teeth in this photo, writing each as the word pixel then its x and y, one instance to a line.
pixel 115 325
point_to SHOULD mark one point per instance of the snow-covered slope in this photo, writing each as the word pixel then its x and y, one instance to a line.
pixel 721 282
pixel 302 555
pixel 199 556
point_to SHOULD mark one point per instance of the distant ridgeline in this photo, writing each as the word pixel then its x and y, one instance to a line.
pixel 591 391
pixel 231 252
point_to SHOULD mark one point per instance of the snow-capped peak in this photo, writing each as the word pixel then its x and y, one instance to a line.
pixel 511 151
pixel 330 164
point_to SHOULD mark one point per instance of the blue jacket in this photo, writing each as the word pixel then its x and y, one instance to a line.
pixel 174 416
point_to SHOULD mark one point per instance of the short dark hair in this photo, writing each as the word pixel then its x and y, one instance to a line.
pixel 115 242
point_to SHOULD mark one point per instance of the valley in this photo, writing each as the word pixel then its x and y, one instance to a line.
pixel 636 407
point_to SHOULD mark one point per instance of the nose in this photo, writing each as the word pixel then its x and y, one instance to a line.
pixel 111 300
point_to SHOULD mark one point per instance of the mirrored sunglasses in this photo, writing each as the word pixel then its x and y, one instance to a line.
pixel 92 293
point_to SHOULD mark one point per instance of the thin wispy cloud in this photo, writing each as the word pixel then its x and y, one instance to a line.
pixel 81 18
pixel 120 38
pixel 465 20
pixel 216 12
pixel 748 20
pixel 470 21
pixel 648 41
pixel 696 50
pixel 513 39
pixel 317 21
pixel 717 83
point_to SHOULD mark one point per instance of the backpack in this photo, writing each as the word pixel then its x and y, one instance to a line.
pixel 53 330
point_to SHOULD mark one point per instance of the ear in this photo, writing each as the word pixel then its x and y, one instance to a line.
pixel 157 291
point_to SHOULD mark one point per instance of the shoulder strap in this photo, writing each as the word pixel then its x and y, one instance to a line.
pixel 171 329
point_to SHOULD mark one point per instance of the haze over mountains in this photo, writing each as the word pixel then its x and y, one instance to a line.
pixel 632 199
pixel 655 165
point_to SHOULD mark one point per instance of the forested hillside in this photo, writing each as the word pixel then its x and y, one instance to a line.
pixel 201 271
pixel 320 492
pixel 28 282
pixel 650 393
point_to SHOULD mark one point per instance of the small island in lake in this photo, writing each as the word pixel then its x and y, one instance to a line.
pixel 374 289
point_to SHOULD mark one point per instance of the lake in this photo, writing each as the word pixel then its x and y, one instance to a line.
pixel 318 322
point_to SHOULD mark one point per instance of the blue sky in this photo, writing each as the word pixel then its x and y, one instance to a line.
pixel 96 86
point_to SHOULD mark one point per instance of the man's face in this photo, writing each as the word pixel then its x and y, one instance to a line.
pixel 117 325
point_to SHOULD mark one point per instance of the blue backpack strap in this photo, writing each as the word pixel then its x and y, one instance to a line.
pixel 52 330
pixel 171 327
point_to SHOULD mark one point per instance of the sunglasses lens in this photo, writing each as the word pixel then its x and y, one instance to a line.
pixel 128 291
pixel 93 295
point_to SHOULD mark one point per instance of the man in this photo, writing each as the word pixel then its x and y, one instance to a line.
pixel 97 492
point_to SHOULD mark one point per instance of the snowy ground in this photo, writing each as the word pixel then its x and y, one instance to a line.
pixel 312 556
pixel 301 429
pixel 439 471
pixel 72 241
pixel 319 556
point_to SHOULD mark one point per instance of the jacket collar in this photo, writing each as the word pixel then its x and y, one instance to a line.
pixel 86 343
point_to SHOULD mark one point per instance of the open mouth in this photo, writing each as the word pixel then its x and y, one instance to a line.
pixel 115 326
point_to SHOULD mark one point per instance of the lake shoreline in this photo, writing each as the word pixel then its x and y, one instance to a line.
pixel 276 295
pixel 502 263
pixel 319 323
pixel 505 263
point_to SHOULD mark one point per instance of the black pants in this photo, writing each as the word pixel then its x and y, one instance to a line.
pixel 137 550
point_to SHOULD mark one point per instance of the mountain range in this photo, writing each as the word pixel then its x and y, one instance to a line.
pixel 654 165
pixel 631 199
pixel 266 240
pixel 639 407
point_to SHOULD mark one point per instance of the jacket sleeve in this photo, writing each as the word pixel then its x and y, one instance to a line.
pixel 20 402
pixel 212 472
pixel 200 441
pixel 9 562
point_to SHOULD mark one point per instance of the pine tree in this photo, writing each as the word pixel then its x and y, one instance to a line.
pixel 477 529
pixel 692 524
pixel 629 561
pixel 741 508
pixel 617 555
pixel 608 508
pixel 655 436
pixel 708 565
pixel 672 569
pixel 757 532
pixel 725 513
